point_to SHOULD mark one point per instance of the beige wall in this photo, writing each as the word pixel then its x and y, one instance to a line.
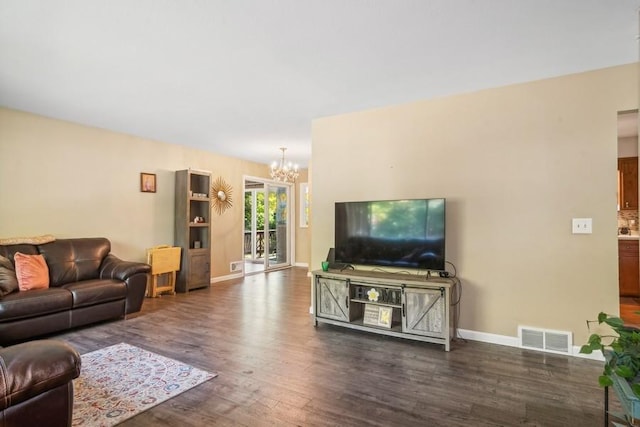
pixel 516 164
pixel 76 181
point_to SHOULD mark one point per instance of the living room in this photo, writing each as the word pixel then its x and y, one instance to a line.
pixel 513 178
pixel 107 201
pixel 515 163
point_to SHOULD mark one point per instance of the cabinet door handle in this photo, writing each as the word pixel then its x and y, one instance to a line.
pixel 346 301
pixel 403 313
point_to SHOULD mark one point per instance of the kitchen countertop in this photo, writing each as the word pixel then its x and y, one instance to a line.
pixel 628 237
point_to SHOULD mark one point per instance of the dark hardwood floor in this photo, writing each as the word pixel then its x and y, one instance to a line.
pixel 276 369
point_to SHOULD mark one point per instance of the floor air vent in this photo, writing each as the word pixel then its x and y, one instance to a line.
pixel 236 266
pixel 545 340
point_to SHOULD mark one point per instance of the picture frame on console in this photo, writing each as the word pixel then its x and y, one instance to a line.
pixel 375 315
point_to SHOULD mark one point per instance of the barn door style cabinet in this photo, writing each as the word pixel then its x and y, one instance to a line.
pixel 425 312
pixel 333 298
pixel 399 305
pixel 192 230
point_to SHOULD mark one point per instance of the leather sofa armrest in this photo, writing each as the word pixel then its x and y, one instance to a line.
pixel 32 368
pixel 114 268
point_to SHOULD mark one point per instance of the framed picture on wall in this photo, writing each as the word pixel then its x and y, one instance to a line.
pixel 147 182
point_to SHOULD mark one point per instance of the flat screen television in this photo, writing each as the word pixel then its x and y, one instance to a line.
pixel 391 233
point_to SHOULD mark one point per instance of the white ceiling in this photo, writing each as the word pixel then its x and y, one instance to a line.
pixel 244 77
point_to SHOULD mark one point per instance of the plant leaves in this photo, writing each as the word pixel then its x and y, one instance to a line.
pixel 586 349
pixel 614 322
pixel 617 347
pixel 636 389
pixel 622 354
pixel 605 381
pixel 625 371
pixel 595 341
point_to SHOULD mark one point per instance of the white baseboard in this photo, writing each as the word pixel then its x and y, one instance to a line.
pixel 487 337
pixel 513 342
pixel 301 264
pixel 227 277
pixel 593 356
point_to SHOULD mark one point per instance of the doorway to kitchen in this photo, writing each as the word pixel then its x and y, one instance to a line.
pixel 267 231
pixel 628 254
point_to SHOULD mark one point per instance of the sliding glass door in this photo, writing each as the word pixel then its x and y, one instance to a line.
pixel 267 236
pixel 278 212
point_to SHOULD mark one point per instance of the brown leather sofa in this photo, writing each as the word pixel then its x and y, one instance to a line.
pixel 36 387
pixel 87 284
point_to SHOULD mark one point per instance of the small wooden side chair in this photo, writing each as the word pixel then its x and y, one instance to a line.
pixel 164 261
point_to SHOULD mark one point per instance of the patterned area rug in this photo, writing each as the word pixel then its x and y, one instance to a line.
pixel 121 381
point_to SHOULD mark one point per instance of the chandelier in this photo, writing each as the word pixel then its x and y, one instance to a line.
pixel 285 171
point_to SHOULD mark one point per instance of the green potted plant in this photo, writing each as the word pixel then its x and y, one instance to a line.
pixel 622 360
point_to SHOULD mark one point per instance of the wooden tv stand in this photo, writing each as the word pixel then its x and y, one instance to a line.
pixel 407 306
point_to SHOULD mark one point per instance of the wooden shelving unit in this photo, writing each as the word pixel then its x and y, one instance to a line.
pixel 193 229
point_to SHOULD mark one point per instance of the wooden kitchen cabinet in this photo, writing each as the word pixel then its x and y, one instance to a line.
pixel 628 268
pixel 628 182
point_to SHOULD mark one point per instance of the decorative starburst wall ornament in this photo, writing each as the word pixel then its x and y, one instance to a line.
pixel 221 195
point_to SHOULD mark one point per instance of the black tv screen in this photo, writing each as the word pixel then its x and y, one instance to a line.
pixel 393 233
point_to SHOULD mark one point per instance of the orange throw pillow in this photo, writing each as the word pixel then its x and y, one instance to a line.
pixel 32 271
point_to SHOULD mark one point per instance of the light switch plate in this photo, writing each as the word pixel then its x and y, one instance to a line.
pixel 582 226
